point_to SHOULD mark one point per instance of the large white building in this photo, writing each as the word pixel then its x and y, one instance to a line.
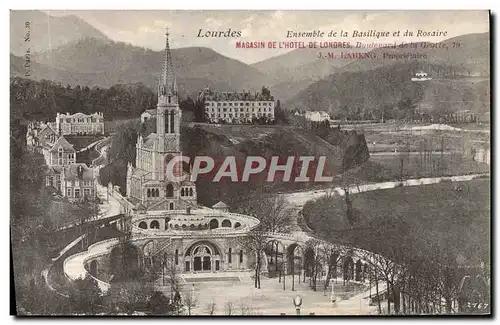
pixel 80 124
pixel 318 116
pixel 242 107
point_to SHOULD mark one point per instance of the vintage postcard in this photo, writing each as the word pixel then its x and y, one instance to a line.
pixel 250 163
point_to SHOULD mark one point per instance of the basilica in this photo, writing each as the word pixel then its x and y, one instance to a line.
pixel 147 182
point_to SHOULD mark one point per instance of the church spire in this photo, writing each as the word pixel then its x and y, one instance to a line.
pixel 168 83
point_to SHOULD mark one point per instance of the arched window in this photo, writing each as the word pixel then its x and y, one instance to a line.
pixel 230 255
pixel 149 192
pixel 241 256
pixel 154 225
pixel 143 225
pixel 172 122
pixel 214 224
pixel 170 190
pixel 157 192
pixel 167 119
pixel 182 191
pixel 176 257
pixel 226 223
pixel 169 99
pixel 237 225
pixel 166 223
pixel 191 191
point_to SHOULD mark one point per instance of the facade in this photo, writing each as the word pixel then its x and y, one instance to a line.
pixel 80 124
pixel 148 182
pixel 60 153
pixel 40 135
pixel 318 116
pixel 243 107
pixel 77 181
pixel 73 180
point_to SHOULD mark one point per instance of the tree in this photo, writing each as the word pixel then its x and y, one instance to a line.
pixel 85 296
pixel 273 212
pixel 88 210
pixel 159 304
pixel 229 308
pixel 128 297
pixel 190 301
pixel 210 308
pixel 313 261
pixel 255 242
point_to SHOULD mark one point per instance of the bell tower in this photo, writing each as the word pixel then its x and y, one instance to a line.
pixel 168 111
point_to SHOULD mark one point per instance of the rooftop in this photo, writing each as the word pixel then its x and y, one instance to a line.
pixel 78 171
pixel 209 94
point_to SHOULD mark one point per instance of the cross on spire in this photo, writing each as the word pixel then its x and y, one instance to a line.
pixel 167 80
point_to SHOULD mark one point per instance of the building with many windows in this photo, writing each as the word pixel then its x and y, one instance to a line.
pixel 77 180
pixel 232 107
pixel 73 180
pixel 80 124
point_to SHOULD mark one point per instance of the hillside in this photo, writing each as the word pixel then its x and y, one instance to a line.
pixel 240 142
pixel 471 58
pixel 119 63
pixel 47 32
pixel 295 70
pixel 367 93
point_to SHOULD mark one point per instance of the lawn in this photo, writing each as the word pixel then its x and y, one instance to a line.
pixel 428 219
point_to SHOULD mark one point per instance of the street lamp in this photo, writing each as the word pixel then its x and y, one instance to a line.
pixel 297 301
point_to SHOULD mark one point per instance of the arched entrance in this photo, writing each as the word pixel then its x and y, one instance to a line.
pixel 202 257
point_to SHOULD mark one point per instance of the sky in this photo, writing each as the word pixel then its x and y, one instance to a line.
pixel 146 28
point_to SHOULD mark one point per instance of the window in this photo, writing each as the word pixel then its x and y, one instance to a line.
pixel 149 193
pixel 241 256
pixel 191 192
pixel 77 192
pixel 170 190
pixel 241 104
pixel 171 206
pixel 182 191
pixel 176 257
pixel 230 255
pixel 86 192
pixel 69 192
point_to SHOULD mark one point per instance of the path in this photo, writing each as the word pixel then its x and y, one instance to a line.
pixel 298 199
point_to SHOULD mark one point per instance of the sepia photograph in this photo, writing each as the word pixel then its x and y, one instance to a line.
pixel 294 163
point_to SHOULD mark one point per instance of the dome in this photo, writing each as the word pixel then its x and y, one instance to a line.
pixel 188 222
